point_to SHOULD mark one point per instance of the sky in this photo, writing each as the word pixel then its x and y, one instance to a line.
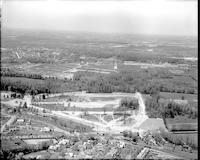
pixel 162 17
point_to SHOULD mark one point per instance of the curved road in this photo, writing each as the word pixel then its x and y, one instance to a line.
pixel 112 125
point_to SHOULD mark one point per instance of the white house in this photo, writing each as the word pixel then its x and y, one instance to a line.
pixel 20 120
pixel 45 129
pixel 28 100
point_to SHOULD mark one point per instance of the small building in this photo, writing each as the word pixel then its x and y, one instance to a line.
pixel 13 129
pixel 20 120
pixel 53 147
pixel 63 142
pixel 28 100
pixel 41 96
pixel 7 94
pixel 46 129
pixel 69 76
pixel 115 65
pixel 82 59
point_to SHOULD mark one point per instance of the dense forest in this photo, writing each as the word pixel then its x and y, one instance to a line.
pixel 93 83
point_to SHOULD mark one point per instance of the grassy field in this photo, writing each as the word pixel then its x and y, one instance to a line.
pixel 181 119
pixel 108 118
pixel 89 109
pixel 62 123
pixel 182 127
pixel 59 107
pixel 55 107
pixel 167 95
pixel 181 123
pixel 90 117
pixel 102 98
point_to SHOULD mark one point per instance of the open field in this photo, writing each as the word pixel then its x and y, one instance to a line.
pixel 166 95
pixel 35 141
pixel 64 69
pixel 181 119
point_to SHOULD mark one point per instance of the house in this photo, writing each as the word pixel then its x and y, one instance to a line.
pixel 41 96
pixel 28 100
pixel 53 147
pixel 82 59
pixel 20 121
pixel 13 129
pixel 7 94
pixel 63 142
pixel 46 129
pixel 69 76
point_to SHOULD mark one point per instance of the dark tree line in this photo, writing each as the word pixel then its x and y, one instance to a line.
pixel 129 82
pixel 129 103
pixel 156 109
pixel 10 73
pixel 35 86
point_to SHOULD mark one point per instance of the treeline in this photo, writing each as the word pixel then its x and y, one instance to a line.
pixel 174 139
pixel 156 109
pixel 129 82
pixel 173 109
pixel 36 86
pixel 129 103
pixel 10 73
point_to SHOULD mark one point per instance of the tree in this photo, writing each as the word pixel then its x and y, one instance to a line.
pixel 104 110
pixel 44 145
pixel 25 105
pixel 129 103
pixel 18 110
pixel 9 88
pixel 19 156
pixel 85 112
pixel 55 118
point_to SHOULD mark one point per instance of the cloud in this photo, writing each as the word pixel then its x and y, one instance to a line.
pixel 134 16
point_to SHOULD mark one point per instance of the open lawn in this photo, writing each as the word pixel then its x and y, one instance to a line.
pixel 90 117
pixel 35 141
pixel 181 119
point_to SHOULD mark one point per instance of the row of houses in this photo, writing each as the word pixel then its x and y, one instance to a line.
pixel 10 94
